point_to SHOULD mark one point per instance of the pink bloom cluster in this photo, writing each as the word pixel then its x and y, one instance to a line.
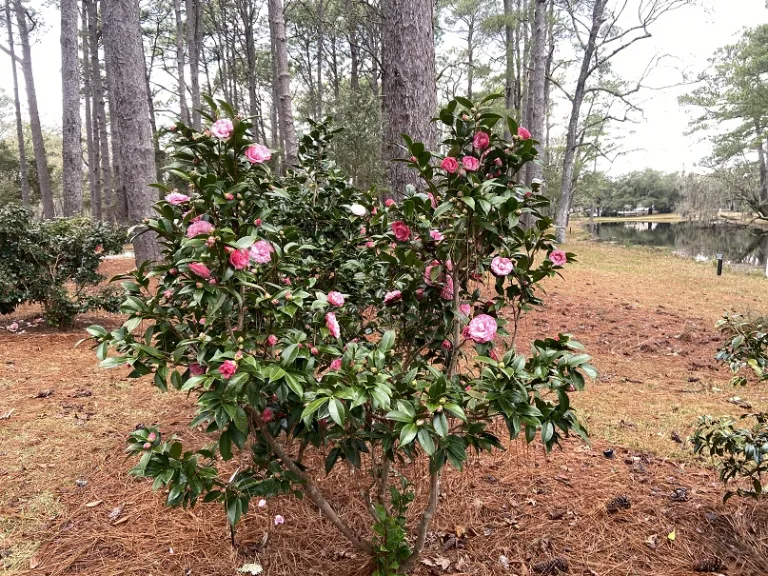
pixel 558 257
pixel 501 266
pixel 176 198
pixel 336 298
pixel 258 154
pixel 333 325
pixel 198 228
pixel 261 252
pixel 239 259
pixel 393 296
pixel 222 128
pixel 400 230
pixel 200 269
pixel 228 369
pixel 482 329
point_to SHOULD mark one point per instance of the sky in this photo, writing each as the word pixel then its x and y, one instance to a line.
pixel 688 36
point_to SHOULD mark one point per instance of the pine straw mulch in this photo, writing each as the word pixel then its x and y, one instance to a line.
pixel 656 373
pixel 518 504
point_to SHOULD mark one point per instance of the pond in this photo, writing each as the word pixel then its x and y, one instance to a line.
pixel 702 241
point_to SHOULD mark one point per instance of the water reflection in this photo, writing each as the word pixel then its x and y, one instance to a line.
pixel 739 245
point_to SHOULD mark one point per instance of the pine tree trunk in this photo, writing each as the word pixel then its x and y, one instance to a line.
pixel 537 83
pixel 194 13
pixel 23 180
pixel 121 203
pixel 38 144
pixel 408 82
pixel 320 57
pixel 470 57
pixel 285 108
pixel 509 53
pixel 72 151
pixel 123 46
pixel 569 159
pixel 93 160
pixel 99 115
pixel 180 62
pixel 250 58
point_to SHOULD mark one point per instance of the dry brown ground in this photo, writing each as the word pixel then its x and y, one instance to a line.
pixel 645 316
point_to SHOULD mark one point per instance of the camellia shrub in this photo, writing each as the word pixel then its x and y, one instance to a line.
pixel 303 313
pixel 55 263
pixel 739 447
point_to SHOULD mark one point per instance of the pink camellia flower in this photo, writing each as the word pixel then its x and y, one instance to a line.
pixel 314 351
pixel 239 259
pixel 447 292
pixel 446 345
pixel 465 310
pixel 167 293
pixel 286 281
pixel 14 327
pixel 261 252
pixel 262 503
pixel 449 164
pixel 200 269
pixel 558 257
pixel 336 298
pixel 196 369
pixel 470 163
pixel 257 154
pixel 176 198
pixel 228 369
pixel 436 235
pixel 481 141
pixel 257 222
pixel 152 437
pixel 523 133
pixel 333 325
pixel 501 266
pixel 147 445
pixel 210 241
pixel 279 520
pixel 393 296
pixel 335 365
pixel 389 202
pixel 198 228
pixel 229 196
pixel 432 199
pixel 420 294
pixel 222 128
pixel 401 230
pixel 268 415
pixel 482 328
pixel 370 244
pixel 271 340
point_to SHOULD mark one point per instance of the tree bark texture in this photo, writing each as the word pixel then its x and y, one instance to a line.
pixel 123 45
pixel 94 184
pixel 285 108
pixel 38 144
pixel 23 180
pixel 182 81
pixel 72 152
pixel 409 87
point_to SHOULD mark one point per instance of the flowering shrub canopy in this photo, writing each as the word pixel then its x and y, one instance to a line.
pixel 54 263
pixel 739 447
pixel 303 309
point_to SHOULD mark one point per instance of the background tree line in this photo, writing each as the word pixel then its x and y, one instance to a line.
pixel 128 68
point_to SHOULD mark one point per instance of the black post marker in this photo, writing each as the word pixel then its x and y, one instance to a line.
pixel 719 264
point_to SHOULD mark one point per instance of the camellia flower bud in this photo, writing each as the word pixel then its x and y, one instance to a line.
pixel 147 445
